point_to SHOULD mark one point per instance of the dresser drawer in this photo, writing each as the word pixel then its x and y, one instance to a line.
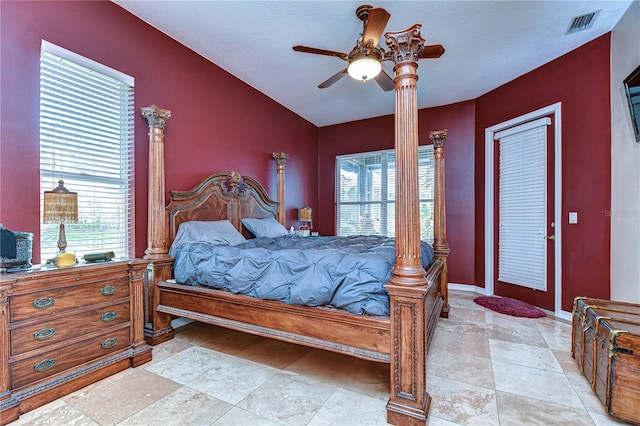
pixel 45 302
pixel 47 332
pixel 44 365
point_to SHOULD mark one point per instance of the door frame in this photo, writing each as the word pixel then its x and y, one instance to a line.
pixel 489 176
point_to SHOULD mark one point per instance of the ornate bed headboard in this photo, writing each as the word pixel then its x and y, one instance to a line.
pixel 220 196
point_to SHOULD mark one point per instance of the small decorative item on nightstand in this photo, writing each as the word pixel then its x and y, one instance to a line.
pixel 305 214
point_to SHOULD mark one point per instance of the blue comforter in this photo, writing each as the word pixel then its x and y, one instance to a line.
pixel 346 272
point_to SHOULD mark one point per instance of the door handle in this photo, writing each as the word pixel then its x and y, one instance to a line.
pixel 550 237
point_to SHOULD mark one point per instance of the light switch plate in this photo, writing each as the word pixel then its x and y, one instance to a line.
pixel 573 217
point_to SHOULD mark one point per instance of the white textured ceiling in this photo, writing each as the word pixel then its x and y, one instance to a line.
pixel 488 43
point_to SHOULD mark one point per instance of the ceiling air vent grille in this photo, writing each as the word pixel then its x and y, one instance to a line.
pixel 582 22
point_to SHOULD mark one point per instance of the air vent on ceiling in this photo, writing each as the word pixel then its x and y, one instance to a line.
pixel 582 22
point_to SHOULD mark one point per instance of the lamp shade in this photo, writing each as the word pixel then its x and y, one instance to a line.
pixel 364 68
pixel 60 205
pixel 305 214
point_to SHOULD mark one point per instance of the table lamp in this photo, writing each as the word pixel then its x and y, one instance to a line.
pixel 61 206
pixel 305 214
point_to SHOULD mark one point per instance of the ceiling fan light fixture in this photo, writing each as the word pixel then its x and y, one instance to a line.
pixel 364 68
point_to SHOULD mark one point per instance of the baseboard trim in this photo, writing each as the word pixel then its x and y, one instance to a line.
pixel 467 287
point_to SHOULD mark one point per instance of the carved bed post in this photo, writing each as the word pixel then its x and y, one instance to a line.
pixel 156 237
pixel 157 326
pixel 409 402
pixel 440 245
pixel 281 158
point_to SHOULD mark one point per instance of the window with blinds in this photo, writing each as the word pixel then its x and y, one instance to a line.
pixel 522 205
pixel 86 139
pixel 366 193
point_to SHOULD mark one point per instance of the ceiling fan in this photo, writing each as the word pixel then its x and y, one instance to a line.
pixel 366 57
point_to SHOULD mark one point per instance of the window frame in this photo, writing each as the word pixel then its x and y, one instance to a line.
pixel 387 192
pixel 114 177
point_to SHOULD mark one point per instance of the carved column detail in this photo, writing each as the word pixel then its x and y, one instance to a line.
pixel 440 245
pixel 9 406
pixel 409 402
pixel 281 158
pixel 157 236
pixel 141 351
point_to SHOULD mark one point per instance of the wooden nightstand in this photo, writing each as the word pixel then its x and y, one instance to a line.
pixel 63 329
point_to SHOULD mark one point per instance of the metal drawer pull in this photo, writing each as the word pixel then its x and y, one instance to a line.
pixel 45 364
pixel 43 303
pixel 108 316
pixel 44 334
pixel 109 343
pixel 108 290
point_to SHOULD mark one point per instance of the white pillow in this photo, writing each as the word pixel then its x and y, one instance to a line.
pixel 218 232
pixel 268 227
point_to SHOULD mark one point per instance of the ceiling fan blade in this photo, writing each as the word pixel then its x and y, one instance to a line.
pixel 432 51
pixel 385 81
pixel 313 50
pixel 376 22
pixel 337 76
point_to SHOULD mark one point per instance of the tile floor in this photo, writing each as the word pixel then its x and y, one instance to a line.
pixel 484 369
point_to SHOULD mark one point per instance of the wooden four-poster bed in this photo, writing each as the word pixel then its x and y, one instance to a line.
pixel 416 297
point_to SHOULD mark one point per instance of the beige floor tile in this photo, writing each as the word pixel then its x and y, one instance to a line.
pixel 567 362
pixel 462 403
pixel 586 393
pixel 187 365
pixel 167 349
pixel 455 325
pixel 516 333
pixel 54 413
pixel 354 409
pixel 276 383
pixel 549 386
pixel 436 421
pixel 521 411
pixel 606 420
pixel 474 345
pixel 557 334
pixel 458 365
pixel 185 406
pixel 232 379
pixel 521 354
pixel 109 403
pixel 288 399
pixel 239 417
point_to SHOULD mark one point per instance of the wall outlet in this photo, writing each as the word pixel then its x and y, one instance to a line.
pixel 573 217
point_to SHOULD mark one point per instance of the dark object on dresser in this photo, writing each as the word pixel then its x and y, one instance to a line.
pixel 15 248
pixel 605 342
pixel 99 257
pixel 63 329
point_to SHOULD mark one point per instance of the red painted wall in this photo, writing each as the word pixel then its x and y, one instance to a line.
pixel 377 134
pixel 580 80
pixel 218 122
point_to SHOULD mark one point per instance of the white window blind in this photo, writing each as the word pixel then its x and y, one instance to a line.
pixel 366 192
pixel 522 246
pixel 86 139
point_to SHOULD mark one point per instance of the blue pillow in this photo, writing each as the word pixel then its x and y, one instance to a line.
pixel 268 227
pixel 216 232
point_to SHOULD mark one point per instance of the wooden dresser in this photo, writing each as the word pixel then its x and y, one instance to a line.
pixel 63 329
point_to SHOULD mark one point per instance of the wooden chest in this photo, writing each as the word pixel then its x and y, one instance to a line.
pixel 606 345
